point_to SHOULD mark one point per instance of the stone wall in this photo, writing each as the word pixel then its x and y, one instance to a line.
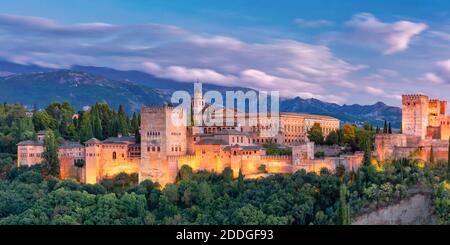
pixel 415 210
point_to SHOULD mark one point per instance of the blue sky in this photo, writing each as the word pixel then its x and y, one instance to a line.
pixel 338 51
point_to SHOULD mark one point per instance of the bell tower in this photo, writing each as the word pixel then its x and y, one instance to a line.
pixel 198 103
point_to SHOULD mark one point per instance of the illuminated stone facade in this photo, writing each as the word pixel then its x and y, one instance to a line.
pixel 425 125
pixel 168 143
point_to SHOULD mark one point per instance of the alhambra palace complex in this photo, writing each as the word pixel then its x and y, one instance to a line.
pixel 165 147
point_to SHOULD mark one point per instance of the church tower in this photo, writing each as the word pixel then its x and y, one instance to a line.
pixel 198 103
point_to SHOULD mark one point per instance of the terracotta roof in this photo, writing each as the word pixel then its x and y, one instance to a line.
pixel 120 140
pixel 93 141
pixel 247 147
pixel 30 142
pixel 211 142
pixel 229 132
pixel 70 144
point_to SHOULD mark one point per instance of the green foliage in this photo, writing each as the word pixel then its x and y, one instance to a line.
pixel 278 152
pixel 344 208
pixel 185 173
pixel 448 161
pixel 442 203
pixel 227 174
pixel 332 138
pixel 273 150
pixel 431 155
pixel 319 154
pixel 50 164
pixel 208 198
pixel 315 134
pixel 86 131
pixel 262 169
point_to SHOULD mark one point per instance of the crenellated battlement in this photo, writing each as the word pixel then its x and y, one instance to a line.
pixel 152 109
pixel 276 157
pixel 415 98
pixel 187 157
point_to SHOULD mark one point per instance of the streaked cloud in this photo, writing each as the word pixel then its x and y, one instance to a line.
pixel 441 73
pixel 390 38
pixel 292 67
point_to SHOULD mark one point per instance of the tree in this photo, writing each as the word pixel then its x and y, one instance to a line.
pixel 240 183
pixel 448 161
pixel 262 169
pixel 86 131
pixel 134 123
pixel 332 138
pixel 227 174
pixel 349 134
pixel 123 121
pixel 97 126
pixel 185 173
pixel 389 128
pixel 385 128
pixel 42 120
pixel 50 163
pixel 344 207
pixel 315 134
pixel 431 155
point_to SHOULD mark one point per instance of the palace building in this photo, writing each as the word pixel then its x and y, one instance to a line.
pixel 425 127
pixel 166 145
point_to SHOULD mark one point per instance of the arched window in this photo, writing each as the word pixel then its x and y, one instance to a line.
pixel 114 156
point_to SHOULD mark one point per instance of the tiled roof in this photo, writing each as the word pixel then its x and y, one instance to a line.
pixel 120 140
pixel 30 142
pixel 93 141
pixel 249 147
pixel 229 132
pixel 211 142
pixel 71 145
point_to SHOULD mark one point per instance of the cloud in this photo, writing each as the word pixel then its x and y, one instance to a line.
pixel 440 75
pixel 313 23
pixel 294 68
pixel 440 34
pixel 390 37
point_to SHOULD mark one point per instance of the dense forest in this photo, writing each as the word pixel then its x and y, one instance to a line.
pixel 27 196
pixel 207 198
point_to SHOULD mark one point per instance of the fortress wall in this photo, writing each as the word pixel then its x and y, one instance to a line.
pixel 385 144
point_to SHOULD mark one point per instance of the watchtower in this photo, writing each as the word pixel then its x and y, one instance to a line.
pixel 415 113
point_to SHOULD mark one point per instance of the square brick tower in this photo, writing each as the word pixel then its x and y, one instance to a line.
pixel 415 112
pixel 163 135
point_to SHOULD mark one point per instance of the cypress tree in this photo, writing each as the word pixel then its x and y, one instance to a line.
pixel 431 155
pixel 389 128
pixel 134 123
pixel 367 151
pixel 50 163
pixel 344 207
pixel 97 126
pixel 123 121
pixel 86 131
pixel 385 129
pixel 240 183
pixel 448 161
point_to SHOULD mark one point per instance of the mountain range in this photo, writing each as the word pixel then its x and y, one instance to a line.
pixel 85 85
